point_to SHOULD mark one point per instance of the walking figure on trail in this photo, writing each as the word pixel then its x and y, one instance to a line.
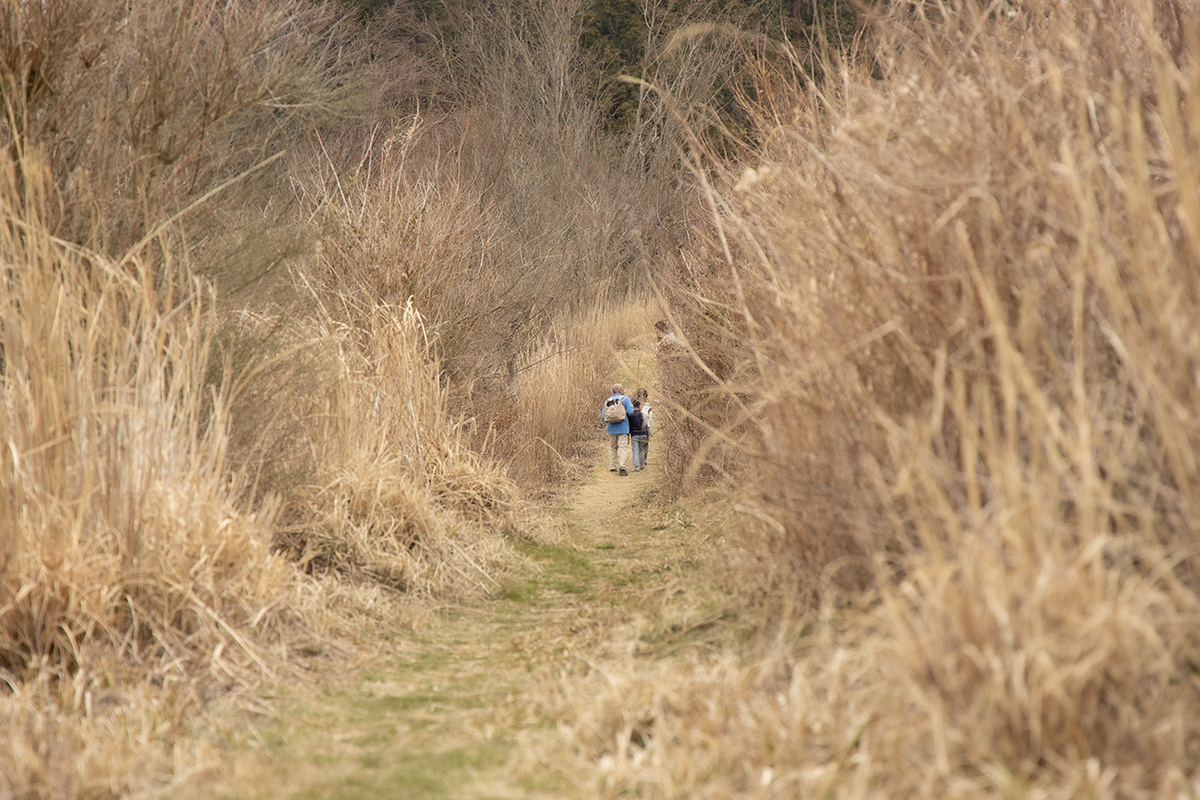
pixel 639 435
pixel 643 396
pixel 615 414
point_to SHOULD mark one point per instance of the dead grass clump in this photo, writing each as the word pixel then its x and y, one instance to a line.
pixel 120 525
pixel 399 496
pixel 849 713
pixel 718 729
pixel 699 444
pixel 965 300
pixel 989 228
pixel 280 366
pixel 85 738
pixel 124 552
pixel 1064 658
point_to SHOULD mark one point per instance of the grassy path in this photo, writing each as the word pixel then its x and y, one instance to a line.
pixel 463 707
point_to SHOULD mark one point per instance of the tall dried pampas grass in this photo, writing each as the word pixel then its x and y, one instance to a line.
pixel 122 545
pixel 399 497
pixel 963 381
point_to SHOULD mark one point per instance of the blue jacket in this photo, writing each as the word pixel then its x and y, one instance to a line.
pixel 623 425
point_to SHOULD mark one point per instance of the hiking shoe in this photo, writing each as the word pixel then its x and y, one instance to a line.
pixel 623 472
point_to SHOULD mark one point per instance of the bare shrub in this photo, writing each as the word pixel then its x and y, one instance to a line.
pixel 496 218
pixel 142 109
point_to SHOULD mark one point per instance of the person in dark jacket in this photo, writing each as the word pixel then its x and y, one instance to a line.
pixel 648 418
pixel 639 434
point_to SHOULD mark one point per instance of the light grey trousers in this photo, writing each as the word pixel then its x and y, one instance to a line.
pixel 618 450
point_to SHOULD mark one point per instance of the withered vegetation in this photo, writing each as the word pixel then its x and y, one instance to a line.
pixel 299 308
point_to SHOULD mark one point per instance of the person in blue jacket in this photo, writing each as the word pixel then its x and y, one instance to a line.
pixel 617 405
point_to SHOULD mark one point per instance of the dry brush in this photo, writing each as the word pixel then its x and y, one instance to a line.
pixel 166 446
pixel 948 312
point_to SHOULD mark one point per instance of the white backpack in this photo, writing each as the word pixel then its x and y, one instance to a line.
pixel 614 409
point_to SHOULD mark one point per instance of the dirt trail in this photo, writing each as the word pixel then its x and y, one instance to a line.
pixel 461 707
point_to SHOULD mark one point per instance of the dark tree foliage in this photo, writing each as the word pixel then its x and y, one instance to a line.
pixel 612 36
pixel 613 32
pixel 613 29
pixel 834 21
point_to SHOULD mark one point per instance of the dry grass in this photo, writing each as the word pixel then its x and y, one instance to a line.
pixel 961 375
pixel 122 545
pixel 84 739
pixel 497 219
pixel 143 109
pixel 940 338
pixel 398 497
pixel 154 438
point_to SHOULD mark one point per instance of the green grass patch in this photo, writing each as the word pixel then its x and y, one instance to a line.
pixel 440 714
pixel 412 774
pixel 563 570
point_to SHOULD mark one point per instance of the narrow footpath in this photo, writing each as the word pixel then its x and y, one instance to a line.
pixel 474 704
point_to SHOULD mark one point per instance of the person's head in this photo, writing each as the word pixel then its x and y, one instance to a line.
pixel 637 403
pixel 642 394
pixel 661 326
pixel 618 389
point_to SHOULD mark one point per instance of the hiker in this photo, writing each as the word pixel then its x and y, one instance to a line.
pixel 639 435
pixel 615 413
pixel 647 417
